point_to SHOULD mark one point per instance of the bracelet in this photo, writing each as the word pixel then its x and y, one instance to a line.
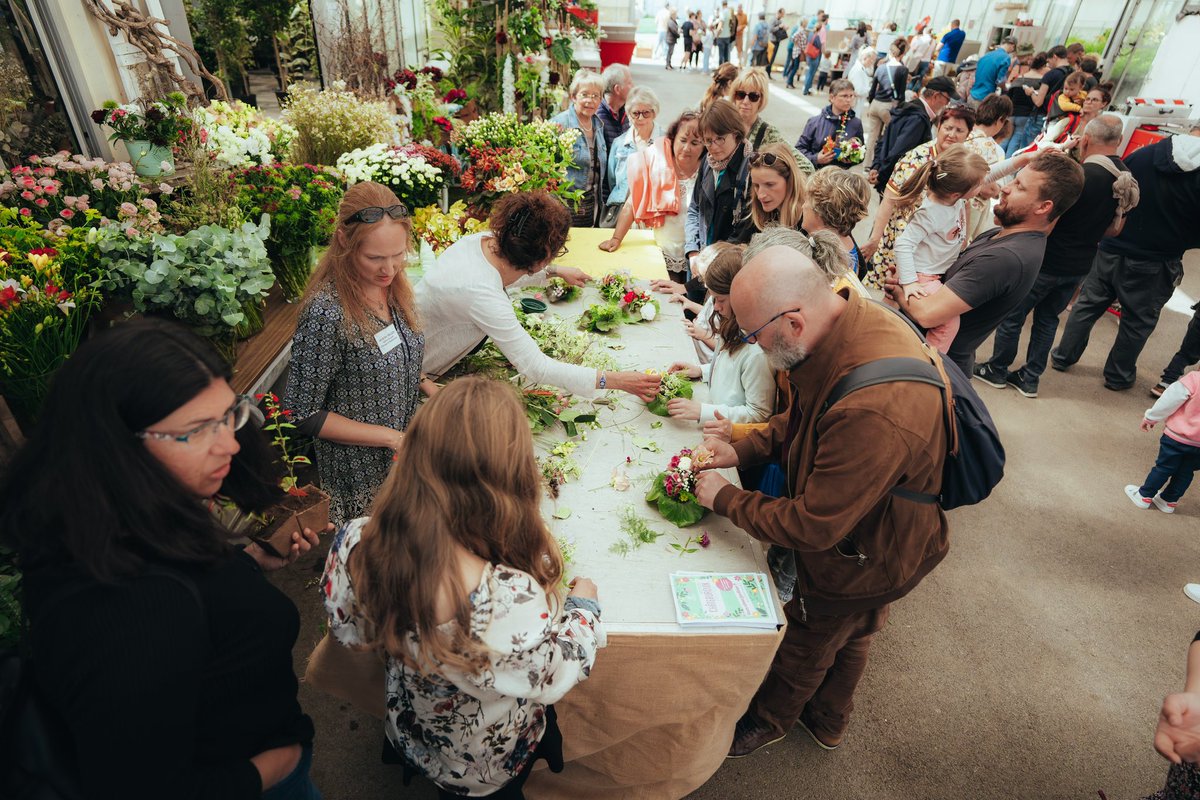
pixel 603 380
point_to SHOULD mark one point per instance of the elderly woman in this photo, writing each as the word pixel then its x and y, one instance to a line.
pixel 661 179
pixel 591 152
pixel 836 201
pixel 952 126
pixel 837 122
pixel 749 95
pixel 642 105
pixel 720 201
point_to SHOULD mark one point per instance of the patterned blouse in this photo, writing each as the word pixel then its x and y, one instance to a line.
pixel 333 371
pixel 471 734
pixel 885 257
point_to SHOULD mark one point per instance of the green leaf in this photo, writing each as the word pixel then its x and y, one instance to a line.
pixel 646 443
pixel 562 513
pixel 656 424
pixel 682 514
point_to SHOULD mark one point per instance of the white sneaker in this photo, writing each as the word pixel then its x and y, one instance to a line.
pixel 1192 590
pixel 1163 505
pixel 1135 496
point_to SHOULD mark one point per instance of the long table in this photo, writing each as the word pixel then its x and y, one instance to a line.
pixel 656 717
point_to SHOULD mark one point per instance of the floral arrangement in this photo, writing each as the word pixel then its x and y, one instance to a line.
pixel 58 190
pixel 442 229
pixel 278 423
pixel 162 123
pixel 615 285
pixel 559 291
pixel 302 201
pixel 240 135
pixel 638 305
pixel 44 310
pixel 558 339
pixel 674 489
pixel 334 121
pixel 507 155
pixel 559 467
pixel 844 150
pixel 429 100
pixel 636 531
pixel 672 385
pixel 602 317
pixel 412 172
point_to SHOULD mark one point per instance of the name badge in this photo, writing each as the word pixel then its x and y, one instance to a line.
pixel 387 339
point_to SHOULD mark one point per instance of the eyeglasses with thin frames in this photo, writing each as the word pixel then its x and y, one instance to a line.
pixel 372 214
pixel 234 419
pixel 752 338
pixel 588 96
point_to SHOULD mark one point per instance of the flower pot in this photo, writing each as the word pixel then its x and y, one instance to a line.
pixel 148 159
pixel 294 513
pixel 292 266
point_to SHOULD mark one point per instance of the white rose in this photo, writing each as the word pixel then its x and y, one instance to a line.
pixel 685 464
pixel 649 312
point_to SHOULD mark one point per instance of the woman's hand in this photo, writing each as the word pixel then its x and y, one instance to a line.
pixel 867 251
pixel 276 764
pixel 1177 737
pixel 666 286
pixel 428 387
pixel 583 587
pixel 718 428
pixel 639 384
pixel 683 408
pixel 572 275
pixel 692 370
pixel 301 544
pixel 611 245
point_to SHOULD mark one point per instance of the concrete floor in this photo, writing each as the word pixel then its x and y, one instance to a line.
pixel 1030 664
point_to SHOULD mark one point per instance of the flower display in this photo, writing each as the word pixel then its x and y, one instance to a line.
pixel 558 290
pixel 615 285
pixel 413 172
pixel 427 100
pixel 674 489
pixel 333 121
pixel 505 155
pixel 638 305
pixel 162 123
pixel 58 191
pixel 602 317
pixel 442 229
pixel 240 135
pixel 672 385
pixel 844 150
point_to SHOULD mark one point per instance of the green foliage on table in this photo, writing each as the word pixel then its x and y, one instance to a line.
pixel 682 512
pixel 674 384
pixel 636 532
pixel 602 317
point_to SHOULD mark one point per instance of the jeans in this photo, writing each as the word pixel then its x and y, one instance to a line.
pixel 1174 468
pixel 1025 130
pixel 1047 298
pixel 1143 287
pixel 813 64
pixel 790 70
pixel 722 43
pixel 915 82
pixel 707 57
pixel 298 785
pixel 661 45
pixel 1189 350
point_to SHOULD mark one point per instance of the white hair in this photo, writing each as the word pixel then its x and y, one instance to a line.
pixel 614 75
pixel 584 79
pixel 643 96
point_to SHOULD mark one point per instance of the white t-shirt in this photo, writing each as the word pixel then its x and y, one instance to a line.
pixel 932 241
pixel 669 237
pixel 922 47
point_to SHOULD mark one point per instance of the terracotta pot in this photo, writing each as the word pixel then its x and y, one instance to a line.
pixel 293 514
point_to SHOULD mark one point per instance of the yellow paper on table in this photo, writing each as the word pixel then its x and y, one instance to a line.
pixel 639 254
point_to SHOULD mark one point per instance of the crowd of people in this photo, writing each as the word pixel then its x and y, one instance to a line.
pixel 445 566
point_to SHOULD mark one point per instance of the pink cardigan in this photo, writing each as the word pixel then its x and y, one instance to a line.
pixel 653 185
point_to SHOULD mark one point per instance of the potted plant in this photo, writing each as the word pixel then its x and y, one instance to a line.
pixel 149 131
pixel 302 506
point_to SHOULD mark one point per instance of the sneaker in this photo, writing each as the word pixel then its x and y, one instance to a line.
pixel 1026 387
pixel 992 376
pixel 1192 590
pixel 825 743
pixel 1157 389
pixel 1164 506
pixel 751 734
pixel 1135 496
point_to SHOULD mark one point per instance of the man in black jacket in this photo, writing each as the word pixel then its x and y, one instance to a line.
pixel 910 126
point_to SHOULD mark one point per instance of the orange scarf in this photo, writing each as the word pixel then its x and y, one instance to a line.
pixel 653 185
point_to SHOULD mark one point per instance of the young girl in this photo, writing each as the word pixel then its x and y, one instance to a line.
pixel 741 387
pixel 455 579
pixel 1178 449
pixel 936 234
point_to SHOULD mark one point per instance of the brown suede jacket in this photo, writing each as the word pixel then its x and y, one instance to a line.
pixel 857 546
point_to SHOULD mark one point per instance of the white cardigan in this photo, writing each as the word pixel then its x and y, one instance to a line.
pixel 741 385
pixel 463 300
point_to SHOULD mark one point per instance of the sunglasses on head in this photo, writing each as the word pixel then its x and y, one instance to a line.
pixel 372 214
pixel 765 160
pixel 753 97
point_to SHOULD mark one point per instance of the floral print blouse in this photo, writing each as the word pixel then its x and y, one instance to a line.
pixel 471 734
pixel 885 256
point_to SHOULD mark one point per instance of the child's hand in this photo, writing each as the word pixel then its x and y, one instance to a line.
pixel 718 428
pixel 683 408
pixel 1148 424
pixel 912 290
pixel 694 330
pixel 691 370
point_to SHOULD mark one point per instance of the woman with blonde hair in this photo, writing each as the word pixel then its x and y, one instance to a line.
pixel 749 94
pixel 836 201
pixel 455 579
pixel 357 350
pixel 777 188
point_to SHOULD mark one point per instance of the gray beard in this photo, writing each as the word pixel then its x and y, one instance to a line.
pixel 786 357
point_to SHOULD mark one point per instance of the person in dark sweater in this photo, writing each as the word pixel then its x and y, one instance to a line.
pixel 1142 266
pixel 163 649
pixel 1070 250
pixel 909 126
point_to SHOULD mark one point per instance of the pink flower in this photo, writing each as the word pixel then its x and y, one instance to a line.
pixel 165 188
pixel 149 204
pixel 295 192
pixel 97 183
pixel 25 212
pixel 66 213
pixel 41 202
pixel 131 232
pixel 51 189
pixel 128 210
pixel 704 540
pixel 27 195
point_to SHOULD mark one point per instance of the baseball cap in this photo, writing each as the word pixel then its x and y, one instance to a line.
pixel 1009 40
pixel 944 85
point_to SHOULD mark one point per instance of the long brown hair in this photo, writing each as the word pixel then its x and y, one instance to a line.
pixel 718 278
pixel 791 210
pixel 475 486
pixel 954 171
pixel 722 83
pixel 337 269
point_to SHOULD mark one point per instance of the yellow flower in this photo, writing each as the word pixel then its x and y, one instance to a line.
pixel 26 281
pixel 40 261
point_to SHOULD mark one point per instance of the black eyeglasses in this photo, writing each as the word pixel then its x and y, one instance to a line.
pixel 766 160
pixel 372 214
pixel 753 97
pixel 752 338
pixel 641 114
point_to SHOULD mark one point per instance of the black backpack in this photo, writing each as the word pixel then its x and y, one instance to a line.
pixel 975 456
pixel 39 757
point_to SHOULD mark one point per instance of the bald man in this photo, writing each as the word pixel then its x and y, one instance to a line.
pixel 858 548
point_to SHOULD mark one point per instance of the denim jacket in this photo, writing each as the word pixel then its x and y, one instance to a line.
pixel 622 148
pixel 577 174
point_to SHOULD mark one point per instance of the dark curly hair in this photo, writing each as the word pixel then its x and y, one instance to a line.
pixel 530 228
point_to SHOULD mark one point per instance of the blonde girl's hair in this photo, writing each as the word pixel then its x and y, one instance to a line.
pixel 1077 80
pixel 722 84
pixel 718 279
pixel 784 165
pixel 956 170
pixel 474 486
pixel 336 268
pixel 841 198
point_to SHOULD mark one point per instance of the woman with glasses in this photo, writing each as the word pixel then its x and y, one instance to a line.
pixel 749 95
pixel 357 350
pixel 587 173
pixel 464 302
pixel 643 111
pixel 837 122
pixel 720 205
pixel 161 648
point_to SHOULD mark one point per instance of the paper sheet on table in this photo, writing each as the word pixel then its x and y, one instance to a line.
pixel 639 254
pixel 723 598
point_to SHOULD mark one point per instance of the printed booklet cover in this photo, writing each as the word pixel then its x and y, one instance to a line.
pixel 723 598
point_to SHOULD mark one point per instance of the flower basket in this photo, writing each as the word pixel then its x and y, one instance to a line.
pixel 148 160
pixel 294 512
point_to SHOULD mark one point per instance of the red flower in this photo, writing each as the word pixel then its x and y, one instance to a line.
pixel 547 41
pixel 443 123
pixel 433 72
pixel 44 251
pixel 454 96
pixel 8 297
pixel 501 37
pixel 629 297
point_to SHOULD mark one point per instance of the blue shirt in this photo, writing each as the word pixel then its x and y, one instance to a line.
pixel 990 72
pixel 951 44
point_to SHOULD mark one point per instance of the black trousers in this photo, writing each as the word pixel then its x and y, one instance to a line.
pixel 1143 287
pixel 1189 350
